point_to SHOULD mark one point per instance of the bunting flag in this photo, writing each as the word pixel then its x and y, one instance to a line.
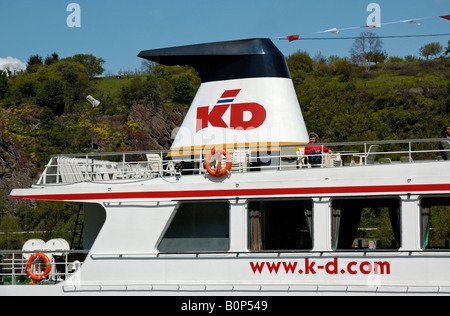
pixel 335 30
pixel 291 38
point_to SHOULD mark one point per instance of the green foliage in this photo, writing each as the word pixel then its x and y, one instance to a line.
pixel 34 62
pixel 440 226
pixel 166 85
pixel 25 85
pixel 51 59
pixel 300 64
pixel 93 65
pixel 376 224
pixel 18 128
pixel 431 49
pixel 183 91
pixel 52 96
pixel 61 135
pixel 3 84
pixel 367 49
pixel 45 220
pixel 401 100
pixel 47 118
pixel 9 225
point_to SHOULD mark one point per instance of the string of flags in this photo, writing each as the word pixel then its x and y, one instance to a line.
pixel 335 30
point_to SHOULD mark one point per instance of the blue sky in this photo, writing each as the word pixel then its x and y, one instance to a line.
pixel 118 30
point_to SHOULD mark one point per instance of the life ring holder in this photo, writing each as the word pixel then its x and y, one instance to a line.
pixel 48 266
pixel 218 172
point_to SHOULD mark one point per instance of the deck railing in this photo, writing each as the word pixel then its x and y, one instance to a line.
pixel 13 265
pixel 131 165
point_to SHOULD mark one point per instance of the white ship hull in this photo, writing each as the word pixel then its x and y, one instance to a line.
pixel 125 258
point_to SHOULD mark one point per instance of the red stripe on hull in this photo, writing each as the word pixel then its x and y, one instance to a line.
pixel 238 192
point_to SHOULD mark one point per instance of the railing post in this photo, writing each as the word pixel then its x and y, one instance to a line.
pixel 409 152
pixel 57 169
pixel 13 268
pixel 322 159
pixel 365 154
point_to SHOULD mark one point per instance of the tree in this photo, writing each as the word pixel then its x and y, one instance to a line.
pixel 300 61
pixel 377 57
pixel 75 79
pixel 47 118
pixel 432 49
pixel 52 96
pixel 300 64
pixel 183 91
pixel 342 67
pixel 447 51
pixel 92 64
pixel 367 49
pixel 3 84
pixel 34 62
pixel 51 59
pixel 147 66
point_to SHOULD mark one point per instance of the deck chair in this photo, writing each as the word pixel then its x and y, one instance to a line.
pixel 155 164
pixel 240 160
pixel 332 160
pixel 369 157
pixel 302 159
pixel 288 158
pixel 70 169
pixel 406 159
pixel 445 145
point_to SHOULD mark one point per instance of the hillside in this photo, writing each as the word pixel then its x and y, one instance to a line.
pixel 44 111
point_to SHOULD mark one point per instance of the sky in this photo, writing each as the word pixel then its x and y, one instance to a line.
pixel 117 30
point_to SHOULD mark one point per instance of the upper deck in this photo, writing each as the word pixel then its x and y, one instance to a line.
pixel 115 167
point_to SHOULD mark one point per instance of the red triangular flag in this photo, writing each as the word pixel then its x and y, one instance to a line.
pixel 293 37
pixel 447 17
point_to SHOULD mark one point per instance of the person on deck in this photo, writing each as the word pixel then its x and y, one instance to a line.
pixel 444 145
pixel 445 132
pixel 314 153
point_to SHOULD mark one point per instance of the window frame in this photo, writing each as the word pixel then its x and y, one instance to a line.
pixel 173 216
pixel 309 223
pixel 398 238
pixel 439 198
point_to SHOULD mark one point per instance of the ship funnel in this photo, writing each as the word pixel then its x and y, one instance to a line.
pixel 246 98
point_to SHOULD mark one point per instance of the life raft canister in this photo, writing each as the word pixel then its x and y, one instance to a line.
pixel 218 172
pixel 48 266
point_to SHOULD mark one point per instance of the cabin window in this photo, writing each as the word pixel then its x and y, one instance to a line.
pixel 280 225
pixel 435 223
pixel 198 226
pixel 366 223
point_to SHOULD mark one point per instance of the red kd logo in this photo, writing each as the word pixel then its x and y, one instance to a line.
pixel 214 117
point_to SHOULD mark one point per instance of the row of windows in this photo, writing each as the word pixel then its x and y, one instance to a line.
pixel 287 225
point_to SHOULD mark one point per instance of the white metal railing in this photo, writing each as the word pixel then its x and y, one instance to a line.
pixel 136 165
pixel 13 265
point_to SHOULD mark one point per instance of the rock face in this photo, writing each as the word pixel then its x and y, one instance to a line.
pixel 157 124
pixel 15 170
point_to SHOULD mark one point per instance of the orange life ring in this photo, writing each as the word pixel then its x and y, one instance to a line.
pixel 48 266
pixel 218 172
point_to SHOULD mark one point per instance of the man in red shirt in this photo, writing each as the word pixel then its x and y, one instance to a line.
pixel 315 152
